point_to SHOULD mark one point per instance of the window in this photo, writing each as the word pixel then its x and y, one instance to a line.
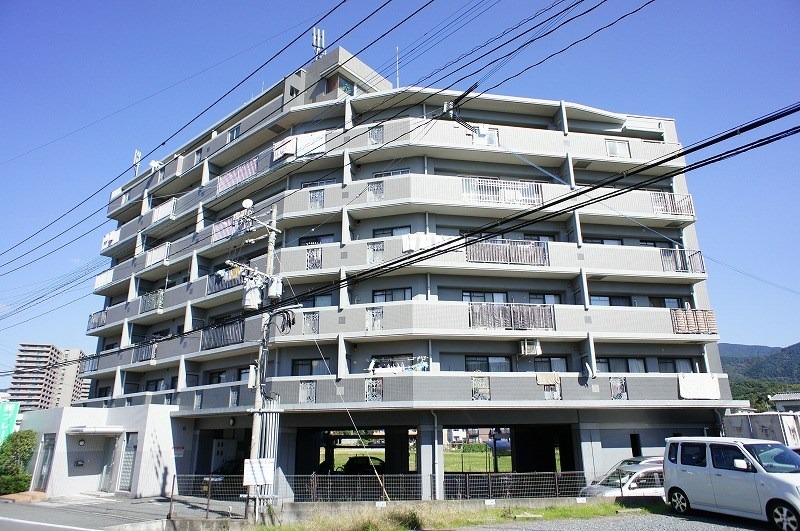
pixel 610 300
pixel 390 295
pixel 657 244
pixel 672 455
pixel 315 240
pixel 675 365
pixel 216 377
pixel 486 236
pixel 666 302
pixel 103 392
pixel 483 296
pixel 234 133
pixel 723 455
pixel 293 91
pixel 391 231
pixel 621 365
pixel 539 237
pixel 486 136
pixel 550 364
pixel 487 364
pixel 154 385
pixel 310 367
pixel 603 241
pixel 319 182
pixel 544 298
pixel 390 173
pixel 346 86
pixel 618 148
pixel 317 301
pixel 693 454
pixel 173 382
pixel 198 156
pixel 243 374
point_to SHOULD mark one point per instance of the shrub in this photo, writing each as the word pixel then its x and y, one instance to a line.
pixel 16 451
pixel 474 448
pixel 12 484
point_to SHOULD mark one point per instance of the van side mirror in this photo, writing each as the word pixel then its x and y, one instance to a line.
pixel 741 464
pixel 633 486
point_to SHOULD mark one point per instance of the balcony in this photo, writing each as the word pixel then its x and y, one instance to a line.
pixel 237 175
pixel 157 255
pixel 97 319
pixel 222 335
pixel 496 390
pixel 163 211
pixel 152 301
pixel 227 279
pixel 508 252
pixel 482 190
pixel 144 353
pixel 508 321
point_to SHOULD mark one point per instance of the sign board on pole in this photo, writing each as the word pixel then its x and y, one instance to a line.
pixel 8 419
pixel 259 471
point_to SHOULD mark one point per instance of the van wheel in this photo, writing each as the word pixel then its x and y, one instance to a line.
pixel 784 517
pixel 678 501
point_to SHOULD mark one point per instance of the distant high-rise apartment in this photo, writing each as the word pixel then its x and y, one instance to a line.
pixel 46 377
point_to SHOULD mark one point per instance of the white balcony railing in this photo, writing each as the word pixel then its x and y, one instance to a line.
pixel 164 210
pixel 104 278
pixel 157 254
pixel 674 204
pixel 482 190
pixel 110 239
pixel 227 227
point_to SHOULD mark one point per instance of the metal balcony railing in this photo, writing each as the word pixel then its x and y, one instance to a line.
pixel 484 190
pixel 694 321
pixel 144 353
pixel 152 301
pixel 674 204
pixel 229 278
pixel 237 175
pixel 222 335
pixel 97 319
pixel 157 254
pixel 512 316
pixel 508 252
pixel 682 261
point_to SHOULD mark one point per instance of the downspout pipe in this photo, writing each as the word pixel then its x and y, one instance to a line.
pixel 435 455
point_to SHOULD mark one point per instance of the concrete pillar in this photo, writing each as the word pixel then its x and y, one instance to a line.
pixel 430 460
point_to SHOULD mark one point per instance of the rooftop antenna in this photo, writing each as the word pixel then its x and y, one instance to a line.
pixel 318 42
pixel 137 157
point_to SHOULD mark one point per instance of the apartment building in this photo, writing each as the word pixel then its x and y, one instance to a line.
pixel 46 376
pixel 582 331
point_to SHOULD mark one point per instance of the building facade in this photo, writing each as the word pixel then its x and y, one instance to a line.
pixel 448 280
pixel 46 376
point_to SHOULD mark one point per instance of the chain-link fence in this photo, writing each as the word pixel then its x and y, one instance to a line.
pixel 342 487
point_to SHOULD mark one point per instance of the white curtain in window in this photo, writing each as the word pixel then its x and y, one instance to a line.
pixel 558 364
pixel 636 365
pixel 683 365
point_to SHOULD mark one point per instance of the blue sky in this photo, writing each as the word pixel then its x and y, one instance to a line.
pixel 86 83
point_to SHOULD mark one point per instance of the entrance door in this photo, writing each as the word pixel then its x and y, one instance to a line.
pixel 108 464
pixel 46 462
pixel 128 461
pixel 224 450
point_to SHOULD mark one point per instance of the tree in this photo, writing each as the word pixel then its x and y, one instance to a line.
pixel 15 453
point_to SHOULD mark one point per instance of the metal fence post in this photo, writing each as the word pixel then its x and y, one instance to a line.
pixel 208 496
pixel 172 497
pixel 555 476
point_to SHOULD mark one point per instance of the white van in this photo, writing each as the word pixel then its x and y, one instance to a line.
pixel 753 478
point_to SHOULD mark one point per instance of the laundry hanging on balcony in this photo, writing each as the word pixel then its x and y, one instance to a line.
pixel 420 240
pixel 252 293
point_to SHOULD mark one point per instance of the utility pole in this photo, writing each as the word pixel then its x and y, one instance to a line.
pixel 266 410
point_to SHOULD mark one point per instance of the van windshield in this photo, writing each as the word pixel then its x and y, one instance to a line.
pixel 775 458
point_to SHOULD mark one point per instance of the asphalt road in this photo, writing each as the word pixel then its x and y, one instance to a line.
pixel 97 512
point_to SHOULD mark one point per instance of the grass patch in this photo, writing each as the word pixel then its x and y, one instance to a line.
pixel 443 516
pixel 454 460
